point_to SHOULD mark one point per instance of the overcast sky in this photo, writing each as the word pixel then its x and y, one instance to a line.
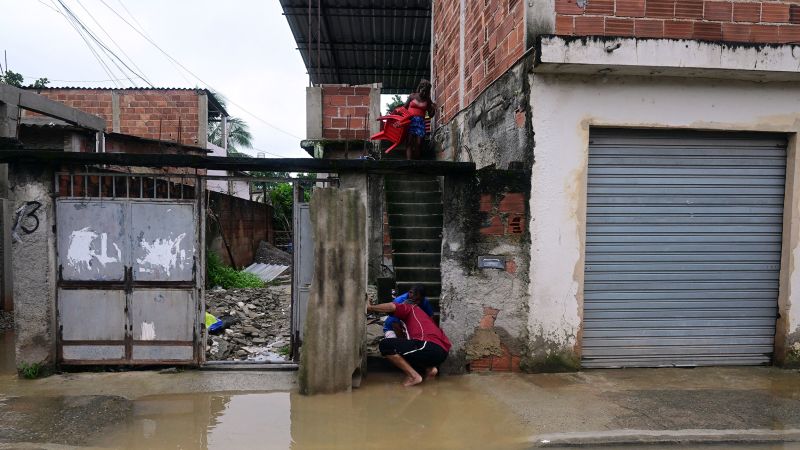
pixel 240 48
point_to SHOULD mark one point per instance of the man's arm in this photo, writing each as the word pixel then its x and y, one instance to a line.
pixel 383 308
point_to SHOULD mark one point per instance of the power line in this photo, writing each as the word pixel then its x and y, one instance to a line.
pixel 194 75
pixel 114 42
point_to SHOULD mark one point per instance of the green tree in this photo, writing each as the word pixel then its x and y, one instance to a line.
pixel 396 101
pixel 40 83
pixel 239 135
pixel 12 78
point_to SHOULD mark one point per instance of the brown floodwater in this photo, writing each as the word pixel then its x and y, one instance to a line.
pixel 381 414
pixel 7 365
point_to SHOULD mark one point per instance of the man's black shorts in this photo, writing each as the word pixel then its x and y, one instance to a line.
pixel 420 354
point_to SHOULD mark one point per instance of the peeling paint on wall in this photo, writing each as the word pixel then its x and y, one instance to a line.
pixel 148 331
pixel 80 254
pixel 162 254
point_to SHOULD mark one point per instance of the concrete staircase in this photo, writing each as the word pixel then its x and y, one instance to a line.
pixel 414 204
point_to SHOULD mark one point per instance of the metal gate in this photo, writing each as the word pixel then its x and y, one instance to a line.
pixel 683 247
pixel 303 267
pixel 128 278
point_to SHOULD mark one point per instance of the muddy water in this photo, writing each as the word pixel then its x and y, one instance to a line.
pixel 379 415
pixel 7 365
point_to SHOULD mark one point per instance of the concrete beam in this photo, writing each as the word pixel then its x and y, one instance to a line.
pixel 314 112
pixel 666 57
pixel 11 95
pixel 240 164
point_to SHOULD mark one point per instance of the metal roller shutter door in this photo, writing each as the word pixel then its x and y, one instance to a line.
pixel 683 247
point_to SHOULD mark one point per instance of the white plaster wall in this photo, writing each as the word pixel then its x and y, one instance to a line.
pixel 563 109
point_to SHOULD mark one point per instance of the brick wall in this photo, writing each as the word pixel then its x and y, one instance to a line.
pixel 737 21
pixel 494 39
pixel 503 214
pixel 345 112
pixel 163 114
pixel 245 223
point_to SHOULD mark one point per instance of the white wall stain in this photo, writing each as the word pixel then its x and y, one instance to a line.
pixel 79 251
pixel 162 255
pixel 148 331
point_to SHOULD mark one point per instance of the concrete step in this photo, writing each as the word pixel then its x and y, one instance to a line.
pixel 415 232
pixel 412 185
pixel 417 245
pixel 418 273
pixel 432 288
pixel 415 220
pixel 415 208
pixel 414 197
pixel 417 259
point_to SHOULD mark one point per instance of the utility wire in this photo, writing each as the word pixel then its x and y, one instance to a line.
pixel 133 63
pixel 103 65
pixel 195 76
pixel 107 50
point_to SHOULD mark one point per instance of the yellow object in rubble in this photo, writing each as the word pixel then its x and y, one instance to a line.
pixel 210 320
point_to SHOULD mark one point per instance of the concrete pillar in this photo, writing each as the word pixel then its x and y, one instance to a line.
pixel 314 112
pixel 375 208
pixel 202 120
pixel 34 268
pixel 9 119
pixel 333 357
pixel 115 122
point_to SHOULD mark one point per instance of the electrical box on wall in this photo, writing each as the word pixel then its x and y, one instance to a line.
pixel 492 262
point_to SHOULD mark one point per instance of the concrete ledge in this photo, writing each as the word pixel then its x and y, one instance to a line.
pixel 683 437
pixel 667 57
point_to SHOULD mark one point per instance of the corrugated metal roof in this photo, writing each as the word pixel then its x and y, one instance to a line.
pixel 267 272
pixel 363 41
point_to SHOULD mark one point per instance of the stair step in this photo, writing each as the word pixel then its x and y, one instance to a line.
pixel 415 208
pixel 416 259
pixel 415 232
pixel 412 185
pixel 414 197
pixel 417 245
pixel 432 289
pixel 415 220
pixel 418 273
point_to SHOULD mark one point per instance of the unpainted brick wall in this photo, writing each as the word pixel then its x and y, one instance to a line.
pixel 731 21
pixel 163 114
pixel 494 39
pixel 245 224
pixel 345 112
pixel 504 214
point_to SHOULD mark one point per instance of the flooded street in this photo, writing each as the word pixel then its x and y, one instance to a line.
pixel 235 409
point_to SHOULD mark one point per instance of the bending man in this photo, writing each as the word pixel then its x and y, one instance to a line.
pixel 425 348
pixel 394 327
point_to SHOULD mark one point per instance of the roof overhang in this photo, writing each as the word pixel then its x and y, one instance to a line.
pixel 667 57
pixel 363 41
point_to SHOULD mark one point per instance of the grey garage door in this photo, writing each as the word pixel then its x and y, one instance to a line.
pixel 683 247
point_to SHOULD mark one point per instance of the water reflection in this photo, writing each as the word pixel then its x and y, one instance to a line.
pixel 379 415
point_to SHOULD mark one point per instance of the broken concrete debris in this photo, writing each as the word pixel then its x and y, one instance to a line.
pixel 262 331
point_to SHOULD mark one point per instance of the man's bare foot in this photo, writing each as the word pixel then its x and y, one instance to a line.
pixel 411 381
pixel 431 372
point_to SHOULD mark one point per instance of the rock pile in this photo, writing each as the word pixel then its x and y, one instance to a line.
pixel 262 331
pixel 269 254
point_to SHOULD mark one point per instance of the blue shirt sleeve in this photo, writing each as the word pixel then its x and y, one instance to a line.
pixel 426 306
pixel 387 325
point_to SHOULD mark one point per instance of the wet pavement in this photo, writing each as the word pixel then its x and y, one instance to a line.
pixel 219 410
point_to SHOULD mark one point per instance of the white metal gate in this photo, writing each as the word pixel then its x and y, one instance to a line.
pixel 128 278
pixel 683 247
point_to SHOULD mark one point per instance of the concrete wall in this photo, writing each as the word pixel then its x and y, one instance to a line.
pixel 333 350
pixel 245 223
pixel 34 265
pixel 564 107
pixel 484 311
pixel 494 129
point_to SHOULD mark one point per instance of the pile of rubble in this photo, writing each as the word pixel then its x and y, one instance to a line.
pixel 262 327
pixel 6 320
